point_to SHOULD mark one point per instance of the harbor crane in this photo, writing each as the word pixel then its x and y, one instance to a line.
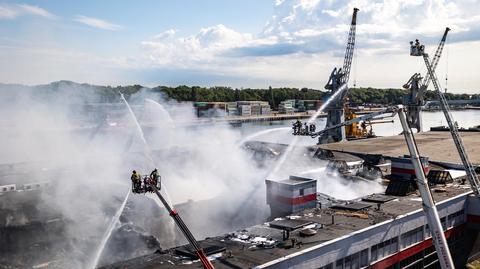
pixel 419 50
pixel 337 82
pixel 417 87
pixel 428 203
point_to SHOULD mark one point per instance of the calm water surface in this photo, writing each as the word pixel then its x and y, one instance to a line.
pixel 465 118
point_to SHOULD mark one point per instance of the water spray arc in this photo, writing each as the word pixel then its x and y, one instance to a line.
pixel 337 83
pixel 428 203
pixel 163 111
pixel 147 151
pixel 108 232
pixel 173 213
pixel 263 132
pixel 312 119
pixel 119 212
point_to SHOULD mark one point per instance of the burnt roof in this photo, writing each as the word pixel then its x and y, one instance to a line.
pixel 247 248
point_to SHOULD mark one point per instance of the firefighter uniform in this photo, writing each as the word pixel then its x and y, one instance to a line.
pixel 136 181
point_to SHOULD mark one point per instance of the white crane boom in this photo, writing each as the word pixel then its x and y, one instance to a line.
pixel 428 203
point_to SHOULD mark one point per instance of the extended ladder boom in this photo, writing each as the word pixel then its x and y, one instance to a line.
pixel 181 225
pixel 435 60
pixel 469 169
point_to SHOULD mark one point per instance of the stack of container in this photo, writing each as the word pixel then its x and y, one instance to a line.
pixel 265 109
pixel 210 109
pixel 201 109
pixel 286 107
pixel 245 110
pixel 256 109
pixel 232 109
pixel 312 104
pixel 300 106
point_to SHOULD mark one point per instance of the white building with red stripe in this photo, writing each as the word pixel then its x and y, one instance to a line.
pixel 291 195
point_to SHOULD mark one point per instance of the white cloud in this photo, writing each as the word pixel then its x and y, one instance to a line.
pixel 196 50
pixel 332 13
pixel 299 45
pixel 7 12
pixel 302 32
pixel 35 10
pixel 392 21
pixel 98 23
pixel 12 11
pixel 165 35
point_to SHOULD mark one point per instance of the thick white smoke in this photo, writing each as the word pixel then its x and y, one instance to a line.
pixel 47 137
pixel 87 153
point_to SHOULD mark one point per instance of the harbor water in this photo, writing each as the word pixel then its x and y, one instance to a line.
pixel 464 118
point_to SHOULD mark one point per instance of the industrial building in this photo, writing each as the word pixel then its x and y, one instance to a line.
pixel 253 108
pixel 376 231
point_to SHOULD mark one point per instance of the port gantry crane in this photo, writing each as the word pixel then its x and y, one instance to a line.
pixel 338 82
pixel 419 50
pixel 417 87
pixel 428 203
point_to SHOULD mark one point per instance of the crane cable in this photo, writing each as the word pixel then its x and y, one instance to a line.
pixel 446 67
pixel 355 61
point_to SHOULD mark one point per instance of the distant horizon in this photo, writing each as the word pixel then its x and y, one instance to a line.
pixel 212 86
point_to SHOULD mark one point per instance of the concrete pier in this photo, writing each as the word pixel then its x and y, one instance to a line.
pixel 438 146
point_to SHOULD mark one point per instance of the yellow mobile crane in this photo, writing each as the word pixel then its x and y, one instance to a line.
pixel 359 130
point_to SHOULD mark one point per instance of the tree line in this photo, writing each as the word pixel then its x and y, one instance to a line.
pixel 182 93
pixel 275 95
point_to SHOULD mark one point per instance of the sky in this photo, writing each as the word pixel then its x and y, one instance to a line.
pixel 248 43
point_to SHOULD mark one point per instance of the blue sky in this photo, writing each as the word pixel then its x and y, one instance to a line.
pixel 248 43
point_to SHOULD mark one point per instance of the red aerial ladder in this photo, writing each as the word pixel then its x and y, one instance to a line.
pixel 153 186
pixel 181 225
